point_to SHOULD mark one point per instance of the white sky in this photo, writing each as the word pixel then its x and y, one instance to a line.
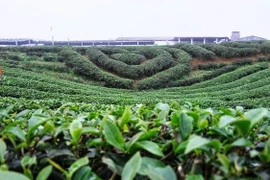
pixel 109 19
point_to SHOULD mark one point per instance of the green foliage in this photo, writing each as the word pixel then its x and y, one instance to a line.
pixel 162 79
pixel 196 51
pixel 129 58
pixel 209 66
pixel 50 57
pixel 84 67
pixel 229 52
pixel 184 146
pixel 145 67
pixel 251 44
pixel 265 48
pixel 161 60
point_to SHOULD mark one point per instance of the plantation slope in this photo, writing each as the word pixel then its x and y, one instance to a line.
pixel 244 85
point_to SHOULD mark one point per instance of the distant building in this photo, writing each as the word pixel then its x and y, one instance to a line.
pixel 174 40
pixel 131 41
pixel 236 37
pixel 251 38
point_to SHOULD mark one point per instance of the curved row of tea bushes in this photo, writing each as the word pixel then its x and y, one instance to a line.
pixel 83 66
pixel 162 79
pixel 224 78
pixel 229 52
pixel 244 44
pixel 249 79
pixel 160 62
pixel 129 58
pixel 196 51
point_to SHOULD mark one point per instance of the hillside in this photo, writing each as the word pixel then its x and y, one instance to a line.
pixel 227 74
pixel 172 112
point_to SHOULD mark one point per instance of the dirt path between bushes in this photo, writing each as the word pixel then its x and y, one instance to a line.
pixel 197 61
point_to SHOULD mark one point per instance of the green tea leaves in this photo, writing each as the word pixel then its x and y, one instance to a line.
pixel 3 148
pixel 44 173
pixel 195 142
pixel 132 167
pixel 126 117
pixel 9 175
pixel 186 126
pixel 150 147
pixel 113 135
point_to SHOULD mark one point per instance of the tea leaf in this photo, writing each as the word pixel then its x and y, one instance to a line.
pixel 132 167
pixel 113 135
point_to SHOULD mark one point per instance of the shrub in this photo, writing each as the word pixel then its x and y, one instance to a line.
pixel 83 66
pixel 196 51
pixel 244 44
pixel 209 66
pixel 50 57
pixel 161 61
pixel 265 49
pixel 129 58
pixel 242 62
pixel 90 141
pixel 162 79
pixel 51 66
pixel 229 52
pixel 263 59
pixel 190 81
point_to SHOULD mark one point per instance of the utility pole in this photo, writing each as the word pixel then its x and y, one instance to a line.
pixel 52 37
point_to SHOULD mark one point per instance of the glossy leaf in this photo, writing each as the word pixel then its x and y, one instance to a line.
pixel 75 129
pixel 10 175
pixel 112 165
pixel 44 173
pixel 215 144
pixel 186 126
pixel 77 165
pixel 195 142
pixel 255 115
pixel 133 140
pixel 243 126
pixel 150 134
pixel 85 173
pixel 225 120
pixel 150 147
pixel 3 148
pixel 161 173
pixel 126 117
pixel 48 127
pixel 113 135
pixel 164 109
pixel 175 118
pixel 242 142
pixel 148 164
pixel 132 167
pixel 90 130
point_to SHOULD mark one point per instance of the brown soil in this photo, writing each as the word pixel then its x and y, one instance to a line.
pixel 197 61
pixel 134 83
pixel 146 59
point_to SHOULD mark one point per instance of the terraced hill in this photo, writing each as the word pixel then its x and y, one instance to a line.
pixel 225 74
pixel 100 113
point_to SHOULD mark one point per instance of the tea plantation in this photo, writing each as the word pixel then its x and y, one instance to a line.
pixel 160 112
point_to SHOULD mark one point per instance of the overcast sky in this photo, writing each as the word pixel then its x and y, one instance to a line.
pixel 109 19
